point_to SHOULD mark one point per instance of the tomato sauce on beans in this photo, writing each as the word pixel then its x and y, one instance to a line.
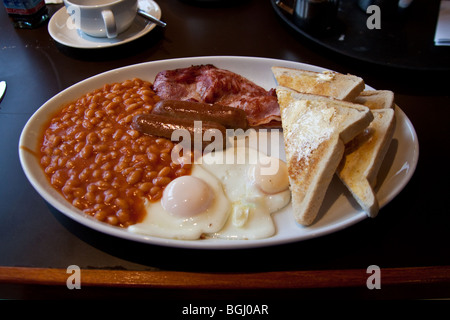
pixel 94 158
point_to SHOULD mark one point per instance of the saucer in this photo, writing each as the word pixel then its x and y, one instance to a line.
pixel 61 31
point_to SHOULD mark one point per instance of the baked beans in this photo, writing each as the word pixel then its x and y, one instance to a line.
pixel 91 154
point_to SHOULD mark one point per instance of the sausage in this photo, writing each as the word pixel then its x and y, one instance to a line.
pixel 165 126
pixel 229 117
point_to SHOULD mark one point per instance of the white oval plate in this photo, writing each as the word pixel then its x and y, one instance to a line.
pixel 61 30
pixel 339 210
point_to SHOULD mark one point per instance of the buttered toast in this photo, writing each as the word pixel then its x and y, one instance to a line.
pixel 315 130
pixel 336 85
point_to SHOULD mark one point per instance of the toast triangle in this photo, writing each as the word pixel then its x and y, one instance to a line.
pixel 336 85
pixel 315 129
pixel 363 157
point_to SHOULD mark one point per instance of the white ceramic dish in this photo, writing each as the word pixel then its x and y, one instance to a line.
pixel 339 210
pixel 61 30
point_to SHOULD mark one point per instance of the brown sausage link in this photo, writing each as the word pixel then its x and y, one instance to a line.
pixel 229 117
pixel 164 126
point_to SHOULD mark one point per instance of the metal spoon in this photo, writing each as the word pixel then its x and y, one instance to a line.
pixel 151 18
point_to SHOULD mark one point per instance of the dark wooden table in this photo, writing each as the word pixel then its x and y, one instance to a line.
pixel 409 240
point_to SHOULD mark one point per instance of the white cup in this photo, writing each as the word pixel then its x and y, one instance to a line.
pixel 102 18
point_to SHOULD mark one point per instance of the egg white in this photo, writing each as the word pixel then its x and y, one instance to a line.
pixel 160 223
pixel 251 208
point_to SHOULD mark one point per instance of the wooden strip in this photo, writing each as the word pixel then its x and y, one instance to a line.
pixel 262 280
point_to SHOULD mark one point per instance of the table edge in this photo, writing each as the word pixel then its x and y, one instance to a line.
pixel 307 279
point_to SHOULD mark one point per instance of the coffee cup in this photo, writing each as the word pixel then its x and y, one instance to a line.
pixel 101 18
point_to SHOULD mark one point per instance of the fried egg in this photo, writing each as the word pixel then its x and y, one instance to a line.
pixel 257 185
pixel 190 206
pixel 230 194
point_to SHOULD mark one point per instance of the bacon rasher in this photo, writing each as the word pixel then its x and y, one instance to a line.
pixel 209 84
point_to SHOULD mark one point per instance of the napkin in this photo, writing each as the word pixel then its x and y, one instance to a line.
pixel 442 35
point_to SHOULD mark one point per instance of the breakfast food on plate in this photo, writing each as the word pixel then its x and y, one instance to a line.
pixel 221 199
pixel 190 206
pixel 315 130
pixel 92 156
pixel 340 86
pixel 376 99
pixel 257 186
pixel 209 84
pixel 364 154
pixel 110 153
pixel 165 126
pixel 363 157
pixel 229 117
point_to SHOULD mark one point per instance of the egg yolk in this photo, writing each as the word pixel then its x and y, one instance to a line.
pixel 271 178
pixel 186 197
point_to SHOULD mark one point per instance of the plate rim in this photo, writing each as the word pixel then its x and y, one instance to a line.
pixel 215 244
